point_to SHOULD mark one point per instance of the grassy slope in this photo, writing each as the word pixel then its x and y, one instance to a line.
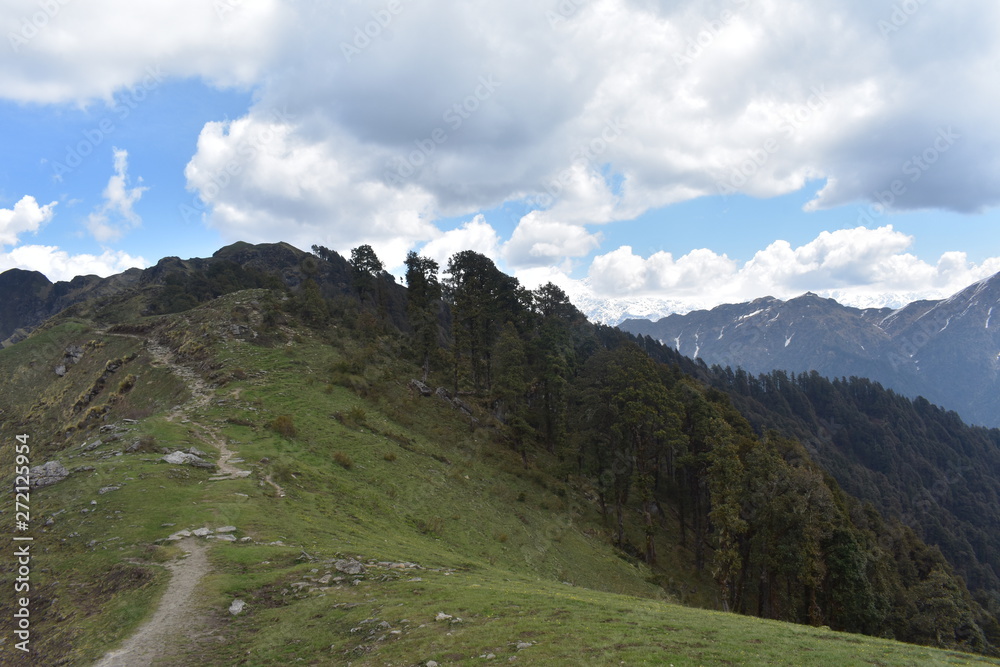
pixel 518 555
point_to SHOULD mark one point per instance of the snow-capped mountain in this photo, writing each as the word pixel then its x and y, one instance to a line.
pixel 946 350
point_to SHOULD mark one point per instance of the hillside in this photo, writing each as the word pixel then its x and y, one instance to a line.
pixel 363 509
pixel 947 351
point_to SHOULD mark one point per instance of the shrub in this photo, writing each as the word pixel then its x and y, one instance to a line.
pixel 390 456
pixel 126 384
pixel 283 425
pixel 343 460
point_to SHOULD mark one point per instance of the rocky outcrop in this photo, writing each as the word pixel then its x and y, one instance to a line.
pixel 47 474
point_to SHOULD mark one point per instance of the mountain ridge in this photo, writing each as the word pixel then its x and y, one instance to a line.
pixel 946 350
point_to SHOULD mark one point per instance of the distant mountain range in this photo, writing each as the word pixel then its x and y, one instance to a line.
pixel 947 351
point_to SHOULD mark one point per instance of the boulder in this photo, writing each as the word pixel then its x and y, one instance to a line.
pixel 421 387
pixel 47 474
pixel 186 458
pixel 237 607
pixel 349 566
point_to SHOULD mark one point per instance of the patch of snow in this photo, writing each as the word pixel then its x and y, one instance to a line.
pixel 677 343
pixel 946 323
pixel 746 317
pixel 724 331
pixel 989 316
pixel 788 340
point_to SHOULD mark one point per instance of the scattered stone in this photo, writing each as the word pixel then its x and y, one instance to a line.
pixel 236 608
pixel 226 529
pixel 60 370
pixel 84 469
pixel 167 525
pixel 180 535
pixel 431 663
pixel 92 446
pixel 107 489
pixel 325 579
pixel 350 566
pixel 49 521
pixel 47 474
pixel 130 421
pixel 225 538
pixel 186 458
pixel 246 539
pixel 442 616
pixel 201 532
pixel 523 645
pixel 93 502
pixel 443 393
pixel 197 452
pixel 421 387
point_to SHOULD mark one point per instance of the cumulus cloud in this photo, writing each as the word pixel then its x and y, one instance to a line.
pixel 590 112
pixel 262 181
pixel 116 214
pixel 60 265
pixel 855 266
pixel 25 216
pixel 62 51
pixel 476 234
pixel 537 241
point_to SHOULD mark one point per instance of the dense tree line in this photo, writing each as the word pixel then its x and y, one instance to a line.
pixel 779 535
pixel 909 458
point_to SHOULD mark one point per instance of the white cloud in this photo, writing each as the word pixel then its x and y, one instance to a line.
pixel 59 265
pixel 265 182
pixel 476 234
pixel 618 107
pixel 540 242
pixel 116 214
pixel 856 266
pixel 62 51
pixel 26 216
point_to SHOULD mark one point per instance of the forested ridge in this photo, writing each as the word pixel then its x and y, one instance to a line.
pixel 662 449
pixel 677 456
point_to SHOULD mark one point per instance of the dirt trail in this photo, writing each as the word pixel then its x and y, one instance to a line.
pixel 201 396
pixel 162 638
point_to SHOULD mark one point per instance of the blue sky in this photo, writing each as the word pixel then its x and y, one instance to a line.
pixel 586 142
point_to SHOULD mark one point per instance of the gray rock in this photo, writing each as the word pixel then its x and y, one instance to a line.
pixel 47 474
pixel 349 566
pixel 60 370
pixel 179 535
pixel 186 458
pixel 226 529
pixel 421 387
pixel 443 393
pixel 432 663
pixel 523 645
pixel 201 532
pixel 237 607
pixel 107 489
pixel 197 452
pixel 92 446
pixel 226 538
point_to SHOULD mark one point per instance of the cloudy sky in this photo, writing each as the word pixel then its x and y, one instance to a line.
pixel 690 152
